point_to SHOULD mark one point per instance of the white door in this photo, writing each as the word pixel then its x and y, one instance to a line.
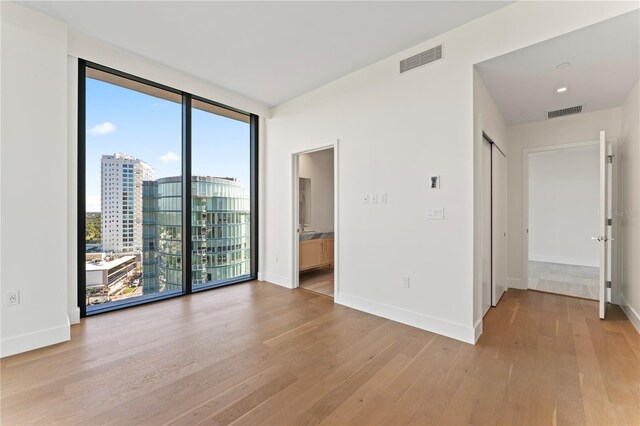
pixel 486 226
pixel 499 224
pixel 603 238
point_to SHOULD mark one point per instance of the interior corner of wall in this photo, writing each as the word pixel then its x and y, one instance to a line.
pixel 277 279
pixel 74 316
pixel 477 330
pixel 634 317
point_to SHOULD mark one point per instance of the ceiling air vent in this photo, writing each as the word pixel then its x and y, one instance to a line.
pixel 424 58
pixel 564 111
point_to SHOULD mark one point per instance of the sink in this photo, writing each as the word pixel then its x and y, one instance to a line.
pixel 314 235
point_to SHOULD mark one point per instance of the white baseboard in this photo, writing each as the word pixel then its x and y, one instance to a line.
pixel 630 313
pixel 277 279
pixel 516 283
pixel 564 260
pixel 74 316
pixel 456 331
pixel 38 339
pixel 477 330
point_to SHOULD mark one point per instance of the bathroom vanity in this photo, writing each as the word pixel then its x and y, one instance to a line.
pixel 316 249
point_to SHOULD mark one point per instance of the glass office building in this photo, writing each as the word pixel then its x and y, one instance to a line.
pixel 220 228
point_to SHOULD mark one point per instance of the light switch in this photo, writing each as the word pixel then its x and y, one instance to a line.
pixel 383 198
pixel 374 198
pixel 435 213
pixel 365 199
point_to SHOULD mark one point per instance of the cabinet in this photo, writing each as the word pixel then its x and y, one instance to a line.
pixel 316 253
pixel 327 251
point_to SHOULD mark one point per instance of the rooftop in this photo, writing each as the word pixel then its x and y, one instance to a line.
pixel 108 265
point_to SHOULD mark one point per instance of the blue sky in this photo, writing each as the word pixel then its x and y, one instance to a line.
pixel 149 128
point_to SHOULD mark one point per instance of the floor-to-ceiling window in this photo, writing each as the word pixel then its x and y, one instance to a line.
pixel 142 146
pixel 220 194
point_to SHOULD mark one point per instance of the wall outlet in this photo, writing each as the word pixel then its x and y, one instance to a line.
pixel 383 198
pixel 374 198
pixel 13 298
pixel 406 282
pixel 365 199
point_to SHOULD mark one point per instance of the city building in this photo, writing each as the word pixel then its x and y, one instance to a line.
pixel 121 178
pixel 109 273
pixel 220 232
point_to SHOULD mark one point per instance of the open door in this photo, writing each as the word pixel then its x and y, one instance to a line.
pixel 603 238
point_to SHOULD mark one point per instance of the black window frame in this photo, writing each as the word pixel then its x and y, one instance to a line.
pixel 187 287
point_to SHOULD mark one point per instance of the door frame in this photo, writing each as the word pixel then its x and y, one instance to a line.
pixel 295 252
pixel 615 264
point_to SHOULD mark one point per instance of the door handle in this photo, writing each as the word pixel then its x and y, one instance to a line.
pixel 602 239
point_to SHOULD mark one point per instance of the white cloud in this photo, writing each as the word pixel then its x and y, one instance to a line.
pixel 102 129
pixel 169 156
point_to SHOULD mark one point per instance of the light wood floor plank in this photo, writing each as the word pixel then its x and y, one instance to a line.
pixel 257 353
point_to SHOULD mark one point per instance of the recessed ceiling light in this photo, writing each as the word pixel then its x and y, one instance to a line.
pixel 561 89
pixel 563 65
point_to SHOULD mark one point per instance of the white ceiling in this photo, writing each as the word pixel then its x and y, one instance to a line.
pixel 604 60
pixel 268 51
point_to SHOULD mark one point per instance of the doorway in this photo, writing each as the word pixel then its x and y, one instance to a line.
pixel 569 198
pixel 563 216
pixel 315 225
pixel 494 223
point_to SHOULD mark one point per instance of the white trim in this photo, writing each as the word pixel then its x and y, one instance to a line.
pixel 295 220
pixel 633 316
pixel 74 316
pixel 295 256
pixel 440 326
pixel 516 283
pixel 37 339
pixel 280 280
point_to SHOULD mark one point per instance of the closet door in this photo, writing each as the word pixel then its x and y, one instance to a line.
pixel 499 224
pixel 486 226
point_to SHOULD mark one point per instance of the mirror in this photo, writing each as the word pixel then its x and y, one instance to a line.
pixel 304 197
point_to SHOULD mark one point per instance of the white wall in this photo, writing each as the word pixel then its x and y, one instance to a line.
pixel 318 166
pixel 39 101
pixel 34 179
pixel 488 119
pixel 630 214
pixel 558 131
pixel 395 131
pixel 564 189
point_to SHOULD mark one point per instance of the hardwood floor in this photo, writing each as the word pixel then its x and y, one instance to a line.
pixel 257 353
pixel 318 280
pixel 570 280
